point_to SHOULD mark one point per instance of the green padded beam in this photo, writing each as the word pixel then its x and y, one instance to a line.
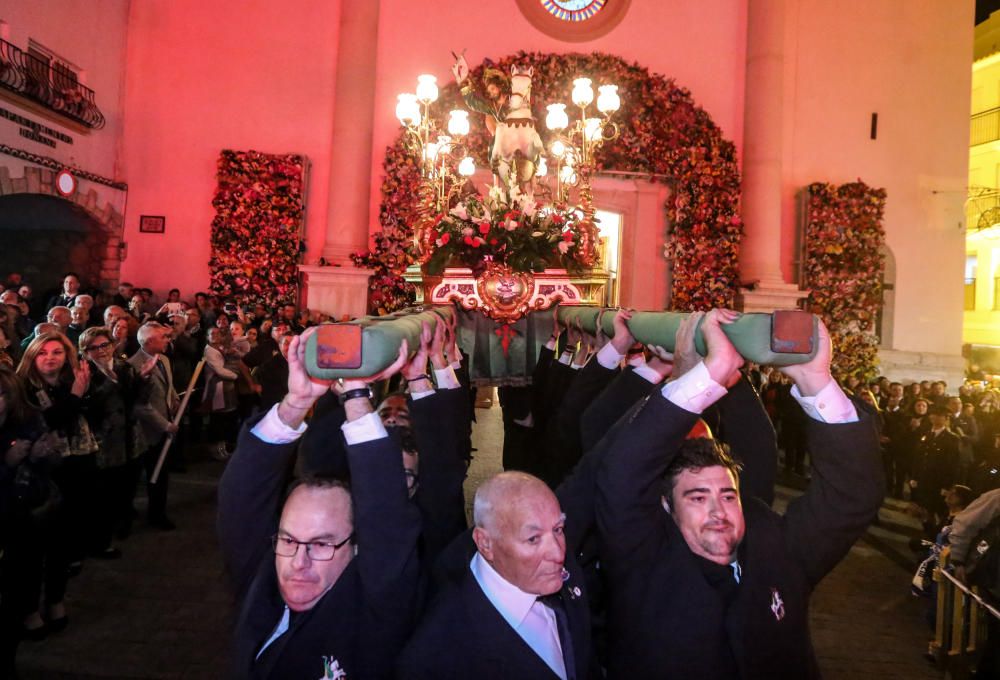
pixel 380 340
pixel 750 334
pixel 377 338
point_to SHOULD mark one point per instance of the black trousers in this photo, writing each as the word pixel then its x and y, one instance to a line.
pixel 115 488
pixel 157 492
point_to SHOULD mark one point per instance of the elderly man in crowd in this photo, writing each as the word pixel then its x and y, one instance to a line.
pixel 155 412
pixel 518 610
pixel 326 578
pixel 71 288
pixel 705 583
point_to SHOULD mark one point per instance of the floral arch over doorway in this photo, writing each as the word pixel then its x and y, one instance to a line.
pixel 663 133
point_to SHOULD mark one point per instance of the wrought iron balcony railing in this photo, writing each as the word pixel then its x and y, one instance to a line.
pixel 984 127
pixel 54 87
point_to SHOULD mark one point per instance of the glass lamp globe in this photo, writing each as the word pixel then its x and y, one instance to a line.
pixel 467 168
pixel 431 151
pixel 556 118
pixel 407 109
pixel 608 100
pixel 458 123
pixel 592 129
pixel 583 93
pixel 558 149
pixel 543 169
pixel 566 174
pixel 427 89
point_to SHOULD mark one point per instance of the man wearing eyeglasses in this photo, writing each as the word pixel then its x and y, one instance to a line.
pixel 326 578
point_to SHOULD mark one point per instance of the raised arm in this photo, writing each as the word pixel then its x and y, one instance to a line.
pixel 847 479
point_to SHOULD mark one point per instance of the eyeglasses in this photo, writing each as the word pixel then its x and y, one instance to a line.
pixel 98 347
pixel 321 551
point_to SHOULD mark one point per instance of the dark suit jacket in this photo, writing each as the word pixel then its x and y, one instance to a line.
pixel 935 466
pixel 464 637
pixel 366 616
pixel 665 618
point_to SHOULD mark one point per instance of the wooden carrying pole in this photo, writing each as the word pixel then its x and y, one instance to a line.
pixel 176 421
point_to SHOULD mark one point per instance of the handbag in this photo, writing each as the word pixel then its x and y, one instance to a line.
pixel 35 493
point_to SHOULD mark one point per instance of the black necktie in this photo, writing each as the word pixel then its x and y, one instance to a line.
pixel 555 603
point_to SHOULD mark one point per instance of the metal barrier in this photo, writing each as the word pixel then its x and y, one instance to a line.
pixel 960 627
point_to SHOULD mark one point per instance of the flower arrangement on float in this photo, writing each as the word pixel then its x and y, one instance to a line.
pixel 663 133
pixel 521 233
pixel 844 265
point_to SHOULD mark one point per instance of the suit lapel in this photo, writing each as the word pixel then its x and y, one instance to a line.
pixel 501 643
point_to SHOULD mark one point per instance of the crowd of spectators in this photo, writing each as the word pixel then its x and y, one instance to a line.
pixel 90 403
pixel 90 386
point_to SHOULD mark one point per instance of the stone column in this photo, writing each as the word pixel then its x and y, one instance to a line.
pixel 353 122
pixel 760 250
pixel 342 289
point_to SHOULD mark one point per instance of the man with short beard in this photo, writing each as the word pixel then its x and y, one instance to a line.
pixel 706 584
pixel 71 288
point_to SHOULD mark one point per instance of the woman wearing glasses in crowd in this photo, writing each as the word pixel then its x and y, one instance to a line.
pixel 55 384
pixel 114 389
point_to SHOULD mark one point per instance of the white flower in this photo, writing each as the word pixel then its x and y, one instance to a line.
pixel 511 225
pixel 528 206
pixel 460 211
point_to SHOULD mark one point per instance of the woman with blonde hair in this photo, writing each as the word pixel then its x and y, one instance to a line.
pixel 55 383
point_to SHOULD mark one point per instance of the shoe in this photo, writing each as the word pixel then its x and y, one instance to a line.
pixel 108 554
pixel 163 524
pixel 220 453
pixel 35 634
pixel 57 625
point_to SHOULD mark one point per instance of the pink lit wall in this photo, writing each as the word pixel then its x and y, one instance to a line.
pixel 206 76
pixel 911 63
pixel 70 28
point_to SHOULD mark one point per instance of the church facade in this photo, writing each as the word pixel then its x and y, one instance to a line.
pixel 807 90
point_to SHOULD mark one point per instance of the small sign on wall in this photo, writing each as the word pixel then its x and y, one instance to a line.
pixel 152 224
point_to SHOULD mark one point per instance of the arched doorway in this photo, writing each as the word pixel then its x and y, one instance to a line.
pixel 44 233
pixel 45 236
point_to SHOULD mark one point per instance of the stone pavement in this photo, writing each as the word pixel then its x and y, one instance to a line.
pixel 163 610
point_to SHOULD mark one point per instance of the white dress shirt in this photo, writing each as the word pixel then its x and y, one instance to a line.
pixel 532 620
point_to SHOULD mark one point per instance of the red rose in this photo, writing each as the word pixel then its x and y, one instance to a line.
pixel 484 228
pixel 568 236
pixel 468 241
pixel 445 237
pixel 493 241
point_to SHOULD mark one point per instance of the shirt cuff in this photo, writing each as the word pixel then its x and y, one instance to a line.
pixel 271 430
pixel 551 343
pixel 446 378
pixel 367 428
pixel 695 390
pixel 830 405
pixel 566 358
pixel 456 365
pixel 608 357
pixel 647 373
pixel 420 395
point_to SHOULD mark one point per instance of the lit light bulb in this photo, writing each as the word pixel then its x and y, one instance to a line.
pixel 566 174
pixel 427 89
pixel 558 149
pixel 467 168
pixel 556 118
pixel 592 129
pixel 431 151
pixel 583 93
pixel 444 144
pixel 543 169
pixel 407 109
pixel 458 123
pixel 608 100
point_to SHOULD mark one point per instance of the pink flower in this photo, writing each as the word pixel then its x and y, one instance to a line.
pixel 563 247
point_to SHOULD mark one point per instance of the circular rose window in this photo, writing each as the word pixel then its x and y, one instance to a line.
pixel 574 20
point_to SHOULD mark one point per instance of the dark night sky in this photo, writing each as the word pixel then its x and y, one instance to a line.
pixel 984 8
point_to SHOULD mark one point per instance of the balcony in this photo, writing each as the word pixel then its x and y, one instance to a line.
pixel 985 127
pixel 53 87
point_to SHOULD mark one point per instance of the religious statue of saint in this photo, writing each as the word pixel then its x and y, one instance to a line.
pixel 507 107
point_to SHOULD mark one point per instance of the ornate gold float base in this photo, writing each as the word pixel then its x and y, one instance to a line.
pixel 546 288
